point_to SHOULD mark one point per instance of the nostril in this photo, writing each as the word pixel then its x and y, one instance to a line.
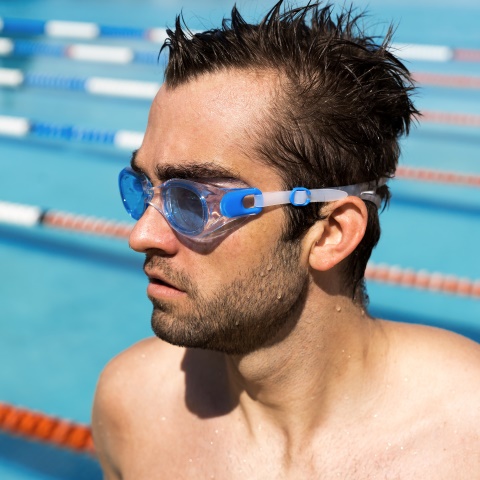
pixel 152 232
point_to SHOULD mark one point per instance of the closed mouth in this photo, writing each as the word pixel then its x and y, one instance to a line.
pixel 159 281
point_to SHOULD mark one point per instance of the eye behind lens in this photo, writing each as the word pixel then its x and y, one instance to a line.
pixel 186 209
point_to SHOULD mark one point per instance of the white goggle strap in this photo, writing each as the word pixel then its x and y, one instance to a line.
pixel 298 196
pixel 301 196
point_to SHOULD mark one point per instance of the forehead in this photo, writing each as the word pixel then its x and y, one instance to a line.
pixel 213 119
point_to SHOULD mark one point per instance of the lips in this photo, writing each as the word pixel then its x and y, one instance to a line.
pixel 161 286
pixel 160 280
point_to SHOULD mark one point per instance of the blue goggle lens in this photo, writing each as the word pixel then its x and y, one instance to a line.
pixel 183 205
pixel 185 208
pixel 132 193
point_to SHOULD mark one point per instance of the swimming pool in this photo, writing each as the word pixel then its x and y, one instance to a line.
pixel 72 301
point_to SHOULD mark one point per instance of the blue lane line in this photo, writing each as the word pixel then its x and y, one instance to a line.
pixel 108 31
pixel 70 132
pixel 28 48
pixel 23 26
pixel 40 80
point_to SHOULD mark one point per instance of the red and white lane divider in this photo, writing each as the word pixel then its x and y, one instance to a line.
pixel 437 176
pixel 434 53
pixel 30 216
pixel 423 280
pixel 461 119
pixel 46 428
pixel 451 81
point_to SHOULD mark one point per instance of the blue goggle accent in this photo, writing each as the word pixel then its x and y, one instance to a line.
pixel 199 210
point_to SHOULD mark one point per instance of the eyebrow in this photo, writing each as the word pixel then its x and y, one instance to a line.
pixel 188 171
pixel 133 161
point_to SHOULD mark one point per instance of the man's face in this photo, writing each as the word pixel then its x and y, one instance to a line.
pixel 238 292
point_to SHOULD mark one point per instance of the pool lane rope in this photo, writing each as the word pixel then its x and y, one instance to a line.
pixel 31 216
pixel 80 30
pixel 77 51
pixel 16 78
pixel 451 118
pixel 90 31
pixel 126 55
pixel 23 127
pixel 450 81
pixel 434 53
pixel 437 176
pixel 46 428
pixel 131 140
pixel 423 280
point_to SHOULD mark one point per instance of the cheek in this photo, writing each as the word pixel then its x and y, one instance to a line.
pixel 232 260
pixel 245 252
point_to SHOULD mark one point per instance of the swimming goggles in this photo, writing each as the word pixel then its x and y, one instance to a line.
pixel 200 210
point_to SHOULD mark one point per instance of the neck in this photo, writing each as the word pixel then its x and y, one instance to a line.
pixel 323 368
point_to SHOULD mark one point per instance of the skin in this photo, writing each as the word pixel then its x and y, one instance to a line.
pixel 332 393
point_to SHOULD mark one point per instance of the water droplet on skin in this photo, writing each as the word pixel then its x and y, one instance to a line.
pixel 279 296
pixel 237 323
pixel 262 274
pixel 338 308
pixel 163 419
pixel 269 267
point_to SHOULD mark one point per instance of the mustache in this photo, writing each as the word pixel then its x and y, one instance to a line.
pixel 162 265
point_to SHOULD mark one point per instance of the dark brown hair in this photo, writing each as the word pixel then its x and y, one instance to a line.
pixel 343 103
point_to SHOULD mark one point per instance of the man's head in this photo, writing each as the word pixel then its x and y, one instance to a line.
pixel 340 103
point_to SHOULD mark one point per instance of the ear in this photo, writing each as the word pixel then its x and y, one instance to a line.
pixel 335 238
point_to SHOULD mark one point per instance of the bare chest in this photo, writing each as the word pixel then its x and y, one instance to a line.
pixel 212 453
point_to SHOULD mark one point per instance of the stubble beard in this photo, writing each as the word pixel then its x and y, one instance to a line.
pixel 245 315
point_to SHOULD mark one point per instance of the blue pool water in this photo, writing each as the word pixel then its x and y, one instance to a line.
pixel 70 302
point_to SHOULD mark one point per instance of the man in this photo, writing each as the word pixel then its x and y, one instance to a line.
pixel 267 364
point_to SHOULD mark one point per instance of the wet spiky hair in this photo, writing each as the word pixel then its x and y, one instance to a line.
pixel 344 102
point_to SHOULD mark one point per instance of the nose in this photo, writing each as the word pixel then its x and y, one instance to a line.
pixel 152 232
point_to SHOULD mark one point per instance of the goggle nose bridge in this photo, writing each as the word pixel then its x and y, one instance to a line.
pixel 149 195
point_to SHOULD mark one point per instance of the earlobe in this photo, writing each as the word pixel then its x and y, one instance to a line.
pixel 335 238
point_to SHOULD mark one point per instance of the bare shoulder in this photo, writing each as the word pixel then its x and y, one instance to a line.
pixel 432 389
pixel 435 351
pixel 124 391
pixel 442 368
pixel 144 370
